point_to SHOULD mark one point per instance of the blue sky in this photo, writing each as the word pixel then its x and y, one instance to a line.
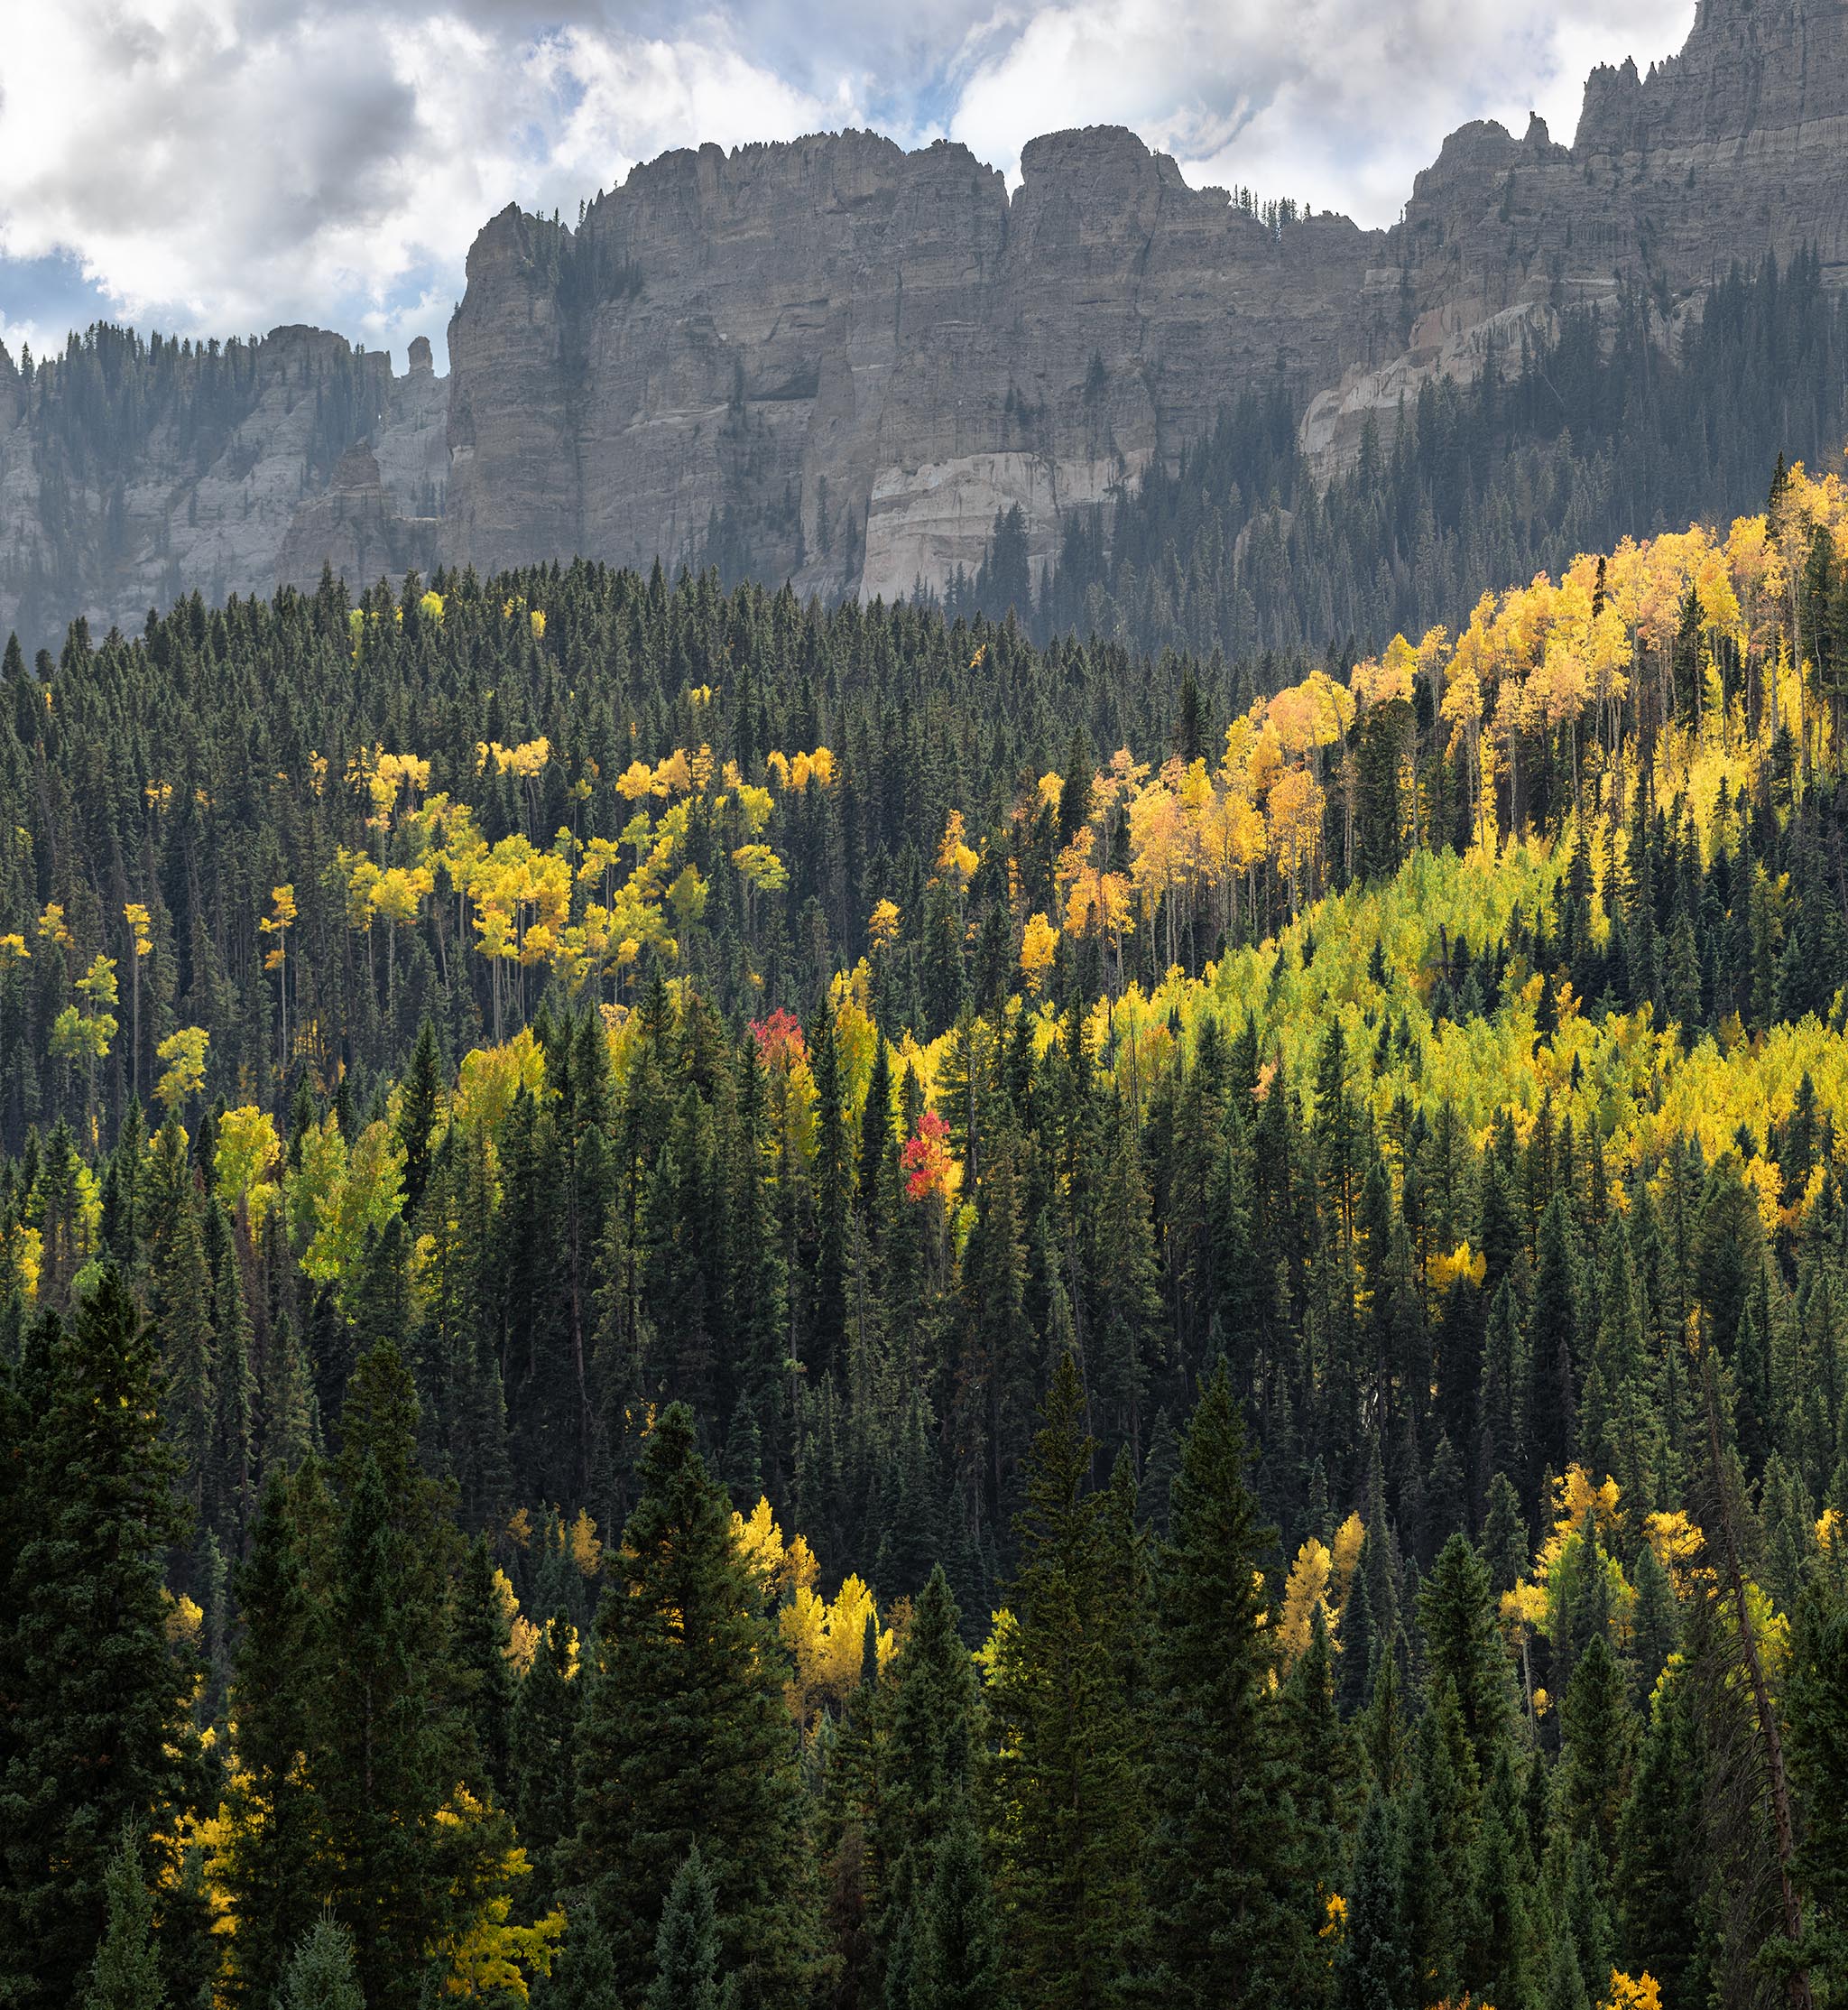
pixel 217 167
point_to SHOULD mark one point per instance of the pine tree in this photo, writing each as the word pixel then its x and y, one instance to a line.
pixel 685 1738
pixel 126 1975
pixel 97 1732
pixel 1222 1851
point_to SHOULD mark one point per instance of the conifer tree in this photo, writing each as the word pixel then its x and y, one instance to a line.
pixel 926 1760
pixel 481 1657
pixel 1372 1971
pixel 97 1732
pixel 960 1966
pixel 126 1974
pixel 1464 1646
pixel 1069 1818
pixel 1817 1702
pixel 1223 1849
pixel 686 1950
pixel 392 1745
pixel 271 1865
pixel 541 1749
pixel 685 1739
pixel 321 1974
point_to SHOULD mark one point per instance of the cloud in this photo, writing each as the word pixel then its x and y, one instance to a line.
pixel 230 164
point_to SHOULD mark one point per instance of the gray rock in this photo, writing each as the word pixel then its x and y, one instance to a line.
pixel 834 361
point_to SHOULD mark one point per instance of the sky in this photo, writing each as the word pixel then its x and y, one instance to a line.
pixel 221 167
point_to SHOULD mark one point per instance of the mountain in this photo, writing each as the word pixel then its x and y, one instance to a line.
pixel 836 361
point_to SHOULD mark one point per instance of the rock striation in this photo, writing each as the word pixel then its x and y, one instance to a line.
pixel 834 361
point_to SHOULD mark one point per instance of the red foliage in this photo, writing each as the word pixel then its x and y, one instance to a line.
pixel 779 1042
pixel 927 1158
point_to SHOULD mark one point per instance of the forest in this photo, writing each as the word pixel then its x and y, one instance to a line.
pixel 711 1301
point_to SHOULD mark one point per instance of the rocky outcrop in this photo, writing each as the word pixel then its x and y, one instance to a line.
pixel 841 359
pixel 835 361
pixel 132 473
pixel 356 527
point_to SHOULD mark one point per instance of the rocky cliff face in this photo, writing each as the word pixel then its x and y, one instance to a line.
pixel 835 361
pixel 130 475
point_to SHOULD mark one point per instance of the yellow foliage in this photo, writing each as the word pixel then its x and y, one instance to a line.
pixel 1348 1538
pixel 248 1151
pixel 587 1551
pixel 490 1958
pixel 884 923
pixel 1640 1992
pixel 1677 1542
pixel 183 1620
pixel 826 1642
pixel 1305 1593
pixel 1039 946
pixel 1441 1270
pixel 184 1056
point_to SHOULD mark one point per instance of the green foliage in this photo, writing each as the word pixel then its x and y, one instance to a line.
pixel 96 1735
pixel 128 1971
pixel 685 1741
pixel 322 1974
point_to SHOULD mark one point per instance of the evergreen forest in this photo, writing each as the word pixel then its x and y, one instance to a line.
pixel 712 1303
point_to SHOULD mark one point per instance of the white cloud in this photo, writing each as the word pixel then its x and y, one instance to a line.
pixel 229 164
pixel 1342 111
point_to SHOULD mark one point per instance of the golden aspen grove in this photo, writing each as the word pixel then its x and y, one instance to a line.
pixel 707 1301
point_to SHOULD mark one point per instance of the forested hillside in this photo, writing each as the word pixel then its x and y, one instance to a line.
pixel 1614 425
pixel 710 1301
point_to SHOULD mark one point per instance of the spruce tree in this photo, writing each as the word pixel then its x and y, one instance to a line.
pixel 1464 1646
pixel 273 1864
pixel 321 1974
pixel 685 1739
pixel 392 1735
pixel 481 1656
pixel 1372 1971
pixel 1225 1901
pixel 686 1948
pixel 925 1759
pixel 541 1754
pixel 1817 1702
pixel 961 1965
pixel 126 1974
pixel 1069 1806
pixel 97 1732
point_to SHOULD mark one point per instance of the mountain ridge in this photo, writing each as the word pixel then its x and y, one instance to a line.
pixel 836 360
